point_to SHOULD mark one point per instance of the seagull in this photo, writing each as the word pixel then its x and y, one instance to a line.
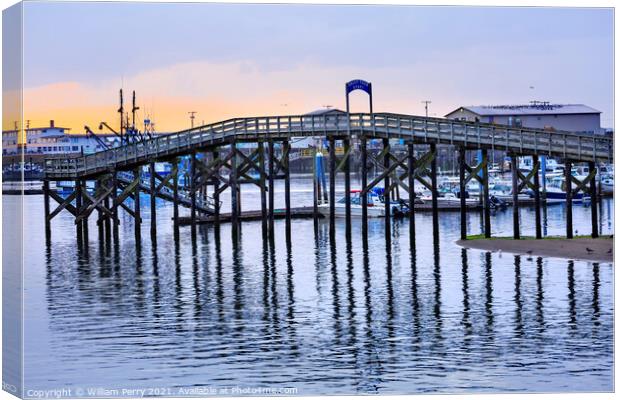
pixel 589 250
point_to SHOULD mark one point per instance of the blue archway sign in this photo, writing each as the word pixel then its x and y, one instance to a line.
pixel 358 84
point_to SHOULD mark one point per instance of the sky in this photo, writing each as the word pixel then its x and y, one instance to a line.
pixel 236 60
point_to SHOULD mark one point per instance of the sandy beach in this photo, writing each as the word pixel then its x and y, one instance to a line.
pixel 588 249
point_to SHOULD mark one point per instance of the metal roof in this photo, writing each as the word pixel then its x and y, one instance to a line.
pixel 324 111
pixel 529 109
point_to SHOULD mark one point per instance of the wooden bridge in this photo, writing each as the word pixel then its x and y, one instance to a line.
pixel 217 146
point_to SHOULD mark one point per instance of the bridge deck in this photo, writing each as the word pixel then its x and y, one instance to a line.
pixel 522 141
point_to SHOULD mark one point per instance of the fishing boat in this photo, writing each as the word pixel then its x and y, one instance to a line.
pixel 448 200
pixel 556 191
pixel 375 205
pixel 503 191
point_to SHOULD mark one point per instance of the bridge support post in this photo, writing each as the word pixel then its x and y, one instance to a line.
pixel 364 193
pixel 234 189
pixel 193 190
pixel 46 206
pixel 106 203
pixel 153 194
pixel 175 193
pixel 287 186
pixel 315 190
pixel 136 207
pixel 271 187
pixel 100 227
pixel 593 199
pixel 216 193
pixel 537 205
pixel 332 185
pixel 434 191
pixel 85 221
pixel 462 187
pixel 347 185
pixel 263 192
pixel 78 207
pixel 485 193
pixel 114 207
pixel 386 188
pixel 569 199
pixel 514 165
pixel 411 187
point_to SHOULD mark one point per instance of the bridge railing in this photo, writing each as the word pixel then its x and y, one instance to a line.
pixel 519 140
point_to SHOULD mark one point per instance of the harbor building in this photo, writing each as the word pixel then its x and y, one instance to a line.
pixel 54 140
pixel 538 114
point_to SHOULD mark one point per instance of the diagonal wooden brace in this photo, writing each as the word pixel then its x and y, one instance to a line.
pixel 64 204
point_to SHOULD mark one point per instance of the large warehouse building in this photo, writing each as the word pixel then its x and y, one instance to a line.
pixel 543 115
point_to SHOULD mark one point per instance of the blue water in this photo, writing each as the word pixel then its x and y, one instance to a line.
pixel 313 316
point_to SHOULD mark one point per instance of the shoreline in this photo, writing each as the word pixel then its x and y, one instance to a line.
pixel 583 248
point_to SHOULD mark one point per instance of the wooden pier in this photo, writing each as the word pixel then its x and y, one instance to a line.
pixel 217 163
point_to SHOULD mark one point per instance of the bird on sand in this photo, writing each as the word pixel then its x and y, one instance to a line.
pixel 589 250
pixel 529 252
pixel 609 251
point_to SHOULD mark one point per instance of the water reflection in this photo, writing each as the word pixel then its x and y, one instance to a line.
pixel 326 313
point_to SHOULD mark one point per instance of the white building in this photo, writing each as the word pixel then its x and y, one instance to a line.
pixel 52 139
pixel 542 115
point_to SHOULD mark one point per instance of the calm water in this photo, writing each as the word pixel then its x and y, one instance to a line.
pixel 318 315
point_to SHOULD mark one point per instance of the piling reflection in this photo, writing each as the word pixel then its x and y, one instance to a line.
pixel 465 320
pixel 540 295
pixel 488 304
pixel 369 315
pixel 519 332
pixel 572 309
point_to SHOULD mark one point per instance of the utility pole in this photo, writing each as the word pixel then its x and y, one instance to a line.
pixel 426 103
pixel 192 115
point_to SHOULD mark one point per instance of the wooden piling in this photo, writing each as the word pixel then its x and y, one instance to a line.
pixel 364 193
pixel 106 218
pixel 262 183
pixel 271 186
pixel 569 199
pixel 175 193
pixel 347 184
pixel 434 191
pixel 100 227
pixel 332 184
pixel 46 206
pixel 78 207
pixel 136 207
pixel 411 187
pixel 286 145
pixel 315 191
pixel 462 193
pixel 386 188
pixel 537 206
pixel 85 220
pixel 593 200
pixel 153 196
pixel 216 192
pixel 514 165
pixel 113 195
pixel 485 194
pixel 234 189
pixel 193 188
